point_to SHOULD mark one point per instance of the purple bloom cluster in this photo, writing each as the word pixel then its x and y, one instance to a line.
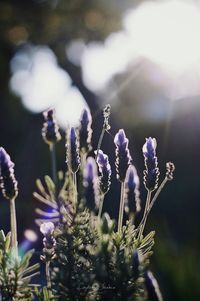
pixel 132 193
pixel 50 130
pixel 85 132
pixel 123 157
pixel 49 241
pixel 8 182
pixel 105 172
pixel 73 151
pixel 90 182
pixel 151 174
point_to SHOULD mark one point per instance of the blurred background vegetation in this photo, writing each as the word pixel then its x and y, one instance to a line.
pixel 75 53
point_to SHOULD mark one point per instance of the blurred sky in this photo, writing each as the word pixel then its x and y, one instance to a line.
pixel 164 33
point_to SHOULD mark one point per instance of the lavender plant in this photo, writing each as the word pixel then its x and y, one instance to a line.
pixel 87 254
pixel 15 271
pixel 85 132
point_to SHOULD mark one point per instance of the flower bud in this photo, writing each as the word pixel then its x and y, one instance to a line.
pixel 50 130
pixel 85 132
pixel 90 182
pixel 47 228
pixel 170 167
pixel 132 194
pixel 151 174
pixel 49 241
pixel 106 116
pixel 123 157
pixel 8 182
pixel 73 157
pixel 105 171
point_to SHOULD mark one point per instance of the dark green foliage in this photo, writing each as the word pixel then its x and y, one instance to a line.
pixel 15 273
pixel 71 269
pixel 92 261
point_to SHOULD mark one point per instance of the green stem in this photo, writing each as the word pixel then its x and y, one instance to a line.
pixel 132 219
pixel 47 270
pixel 75 188
pixel 100 142
pixel 13 224
pixel 144 219
pixel 160 188
pixel 101 206
pixel 53 162
pixel 153 201
pixel 121 208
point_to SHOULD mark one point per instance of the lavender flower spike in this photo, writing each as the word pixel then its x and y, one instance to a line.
pixel 152 287
pixel 132 194
pixel 90 182
pixel 50 130
pixel 151 174
pixel 8 182
pixel 105 172
pixel 73 151
pixel 49 244
pixel 123 157
pixel 85 132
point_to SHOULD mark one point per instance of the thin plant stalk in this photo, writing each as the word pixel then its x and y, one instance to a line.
pixel 48 277
pixel 132 219
pixel 160 188
pixel 153 201
pixel 100 142
pixel 75 187
pixel 121 208
pixel 101 206
pixel 53 161
pixel 144 219
pixel 13 224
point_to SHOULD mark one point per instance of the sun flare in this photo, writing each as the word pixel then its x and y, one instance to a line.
pixel 166 32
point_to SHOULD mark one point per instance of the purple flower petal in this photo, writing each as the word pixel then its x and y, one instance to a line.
pixel 123 157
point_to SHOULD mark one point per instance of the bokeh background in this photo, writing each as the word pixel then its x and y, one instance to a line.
pixel 142 57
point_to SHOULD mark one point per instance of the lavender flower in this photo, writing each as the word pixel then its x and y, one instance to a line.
pixel 151 174
pixel 105 171
pixel 170 167
pixel 8 182
pixel 123 157
pixel 90 182
pixel 49 241
pixel 132 194
pixel 152 287
pixel 73 151
pixel 50 130
pixel 85 132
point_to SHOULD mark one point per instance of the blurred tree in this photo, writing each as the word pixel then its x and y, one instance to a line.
pixel 54 23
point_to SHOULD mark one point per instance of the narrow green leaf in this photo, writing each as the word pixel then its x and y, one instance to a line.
pixel 7 242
